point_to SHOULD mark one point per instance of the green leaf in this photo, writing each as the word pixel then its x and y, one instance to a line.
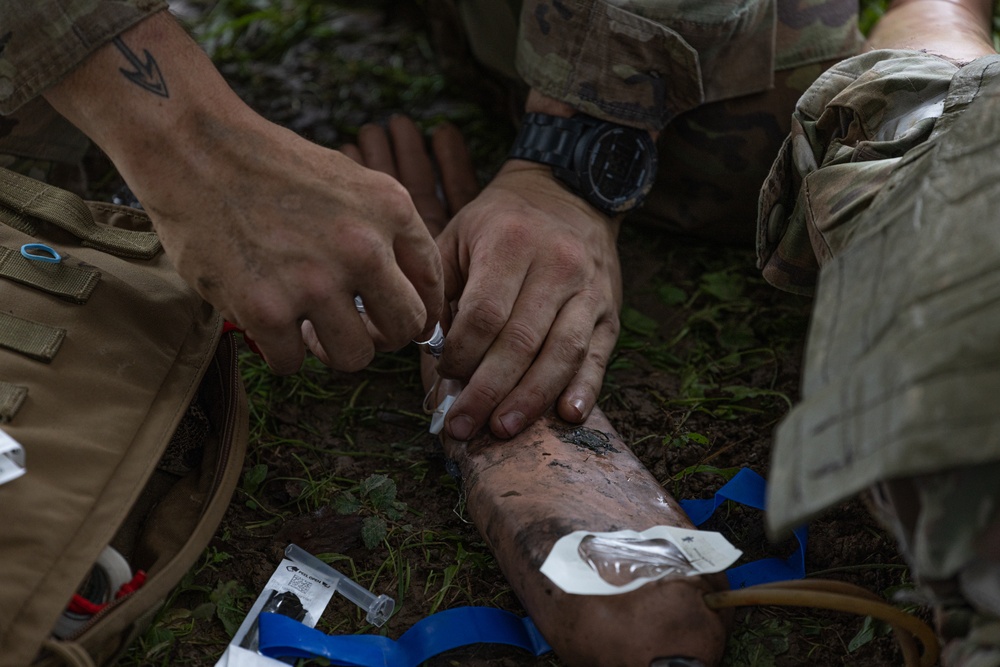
pixel 347 503
pixel 867 633
pixel 393 513
pixel 373 531
pixel 737 337
pixel 157 639
pixel 254 477
pixel 698 438
pixel 726 473
pixel 723 285
pixel 227 609
pixel 638 323
pixel 671 295
pixel 204 610
pixel 380 490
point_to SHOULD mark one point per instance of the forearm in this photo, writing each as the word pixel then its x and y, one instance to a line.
pixel 958 29
pixel 155 103
pixel 44 40
pixel 149 96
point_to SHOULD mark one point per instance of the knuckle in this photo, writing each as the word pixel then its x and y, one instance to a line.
pixel 366 246
pixel 614 326
pixel 534 399
pixel 572 350
pixel 520 338
pixel 599 363
pixel 398 337
pixel 567 259
pixel 259 315
pixel 395 198
pixel 486 316
pixel 352 360
pixel 283 362
pixel 486 394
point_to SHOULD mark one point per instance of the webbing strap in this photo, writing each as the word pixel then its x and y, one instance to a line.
pixel 22 198
pixel 11 398
pixel 68 282
pixel 281 636
pixel 38 341
pixel 750 489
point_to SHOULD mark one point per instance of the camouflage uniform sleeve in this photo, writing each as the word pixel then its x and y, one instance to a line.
pixel 642 62
pixel 41 41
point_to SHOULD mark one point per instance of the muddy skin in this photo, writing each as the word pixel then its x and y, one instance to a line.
pixel 525 493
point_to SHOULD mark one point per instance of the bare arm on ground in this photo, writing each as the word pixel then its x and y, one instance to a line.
pixel 959 29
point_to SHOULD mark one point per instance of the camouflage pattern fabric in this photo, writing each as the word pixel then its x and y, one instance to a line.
pixel 40 42
pixel 643 62
pixel 947 525
pixel 713 157
pixel 713 160
pixel 890 181
pixel 849 124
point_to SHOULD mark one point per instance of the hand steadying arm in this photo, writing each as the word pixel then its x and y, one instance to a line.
pixel 534 271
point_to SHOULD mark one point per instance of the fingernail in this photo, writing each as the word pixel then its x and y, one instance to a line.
pixel 577 404
pixel 512 423
pixel 461 427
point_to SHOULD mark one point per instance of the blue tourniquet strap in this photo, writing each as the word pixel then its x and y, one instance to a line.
pixel 282 637
pixel 749 488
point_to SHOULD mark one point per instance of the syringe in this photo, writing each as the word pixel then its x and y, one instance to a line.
pixel 434 344
pixel 378 607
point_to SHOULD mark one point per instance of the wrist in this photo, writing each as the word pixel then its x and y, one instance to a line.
pixel 610 166
pixel 536 183
pixel 540 103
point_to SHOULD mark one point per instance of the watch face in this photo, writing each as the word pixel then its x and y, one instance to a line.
pixel 620 165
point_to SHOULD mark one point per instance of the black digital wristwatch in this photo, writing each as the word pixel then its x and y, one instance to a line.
pixel 611 166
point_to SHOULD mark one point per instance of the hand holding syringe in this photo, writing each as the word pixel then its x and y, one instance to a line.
pixel 434 344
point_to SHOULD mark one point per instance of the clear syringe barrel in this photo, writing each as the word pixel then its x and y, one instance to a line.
pixel 378 607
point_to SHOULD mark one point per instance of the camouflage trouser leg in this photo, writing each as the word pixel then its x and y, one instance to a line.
pixel 948 526
pixel 713 159
pixel 36 141
pixel 890 181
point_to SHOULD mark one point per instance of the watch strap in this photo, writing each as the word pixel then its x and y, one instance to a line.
pixel 548 139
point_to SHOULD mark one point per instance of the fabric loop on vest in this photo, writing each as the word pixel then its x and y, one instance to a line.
pixel 38 341
pixel 11 398
pixel 69 282
pixel 23 199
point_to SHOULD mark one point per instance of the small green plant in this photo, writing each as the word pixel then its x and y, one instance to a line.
pixel 758 644
pixel 189 603
pixel 376 497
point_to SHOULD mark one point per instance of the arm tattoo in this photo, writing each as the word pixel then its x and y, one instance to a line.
pixel 147 74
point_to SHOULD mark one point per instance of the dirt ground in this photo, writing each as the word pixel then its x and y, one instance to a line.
pixel 708 363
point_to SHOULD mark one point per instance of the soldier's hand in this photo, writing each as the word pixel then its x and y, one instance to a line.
pixel 399 151
pixel 281 234
pixel 276 232
pixel 534 271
